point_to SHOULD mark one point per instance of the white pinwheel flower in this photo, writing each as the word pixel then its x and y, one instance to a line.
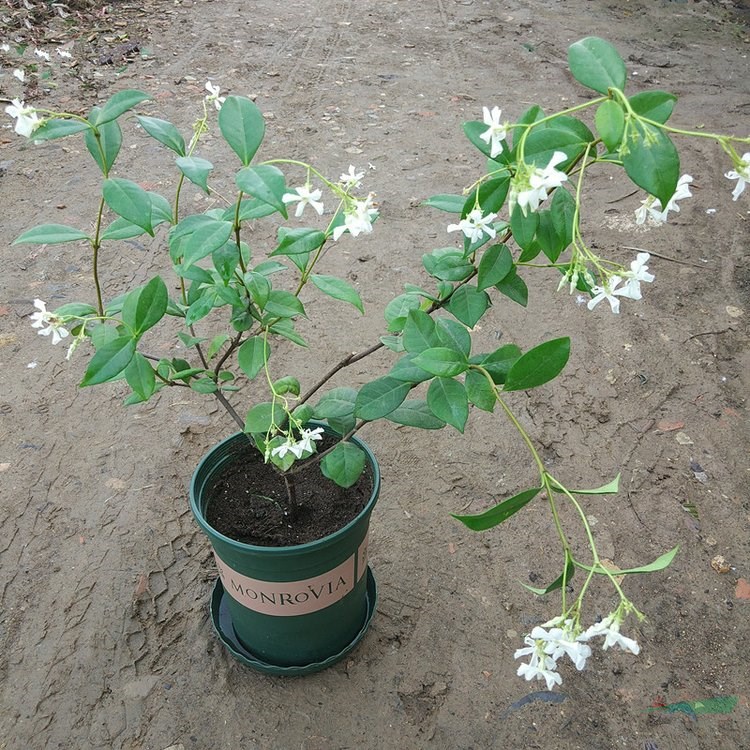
pixel 308 436
pixel 351 179
pixel 562 640
pixel 741 173
pixel 529 189
pixel 213 95
pixel 638 272
pixel 358 219
pixel 610 292
pixel 475 225
pixel 651 206
pixel 27 120
pixel 290 446
pixel 609 627
pixel 549 178
pixel 303 196
pixel 496 131
pixel 54 324
pixel 540 665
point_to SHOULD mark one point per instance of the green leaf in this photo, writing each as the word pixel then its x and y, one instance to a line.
pixel 499 362
pixel 611 488
pixel 253 355
pixel 287 384
pixel 394 343
pixel 415 413
pixel 479 391
pixel 468 304
pixel 109 361
pixel 140 377
pixel 453 204
pixel 380 397
pixel 285 328
pixel 406 370
pixel 610 122
pixel 258 286
pixel 263 416
pixel 397 310
pixel 283 304
pixel 164 132
pixel 342 425
pixel 443 362
pixel 498 513
pixel 117 105
pixel 242 125
pixel 298 241
pixel 562 133
pixel 130 201
pixel 106 147
pixel 514 287
pixel 453 335
pixel 344 464
pixel 202 306
pixel 539 365
pixel 50 130
pixel 338 289
pixel 447 264
pixel 122 229
pixel 77 309
pixel 204 385
pixel 523 226
pixel 654 105
pixel 337 403
pixel 597 64
pixel 491 195
pixel 195 169
pixel 144 307
pixel 51 234
pixel 204 240
pixel 448 401
pixel 562 210
pixel 494 266
pixel 651 161
pixel 419 332
pixel 216 343
pixel 266 183
pixel 660 563
pixel 530 116
pixel 250 208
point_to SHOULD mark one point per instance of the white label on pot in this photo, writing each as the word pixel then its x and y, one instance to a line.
pixel 288 598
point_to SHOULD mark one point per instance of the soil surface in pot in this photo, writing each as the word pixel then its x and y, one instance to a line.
pixel 249 502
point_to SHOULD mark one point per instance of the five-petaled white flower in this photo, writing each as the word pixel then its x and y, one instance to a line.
pixel 638 272
pixel 540 666
pixel 496 131
pixel 304 197
pixel 351 179
pixel 290 446
pixel 213 95
pixel 651 206
pixel 531 189
pixel 563 640
pixel 308 436
pixel 475 225
pixel 610 292
pixel 358 218
pixel 26 118
pixel 45 318
pixel 742 174
pixel 610 628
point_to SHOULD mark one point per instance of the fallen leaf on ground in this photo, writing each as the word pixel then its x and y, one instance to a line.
pixel 683 439
pixel 669 426
pixel 451 548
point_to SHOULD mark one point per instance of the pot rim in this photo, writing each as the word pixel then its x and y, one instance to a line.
pixel 295 548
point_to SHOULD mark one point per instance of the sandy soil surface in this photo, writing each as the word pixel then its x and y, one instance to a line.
pixel 104 576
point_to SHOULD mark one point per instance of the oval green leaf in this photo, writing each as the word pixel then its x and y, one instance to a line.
pixel 539 365
pixel 597 64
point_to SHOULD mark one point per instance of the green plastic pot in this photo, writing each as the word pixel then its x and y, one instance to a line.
pixel 288 609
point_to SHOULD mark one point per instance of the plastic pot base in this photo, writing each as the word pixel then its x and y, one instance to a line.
pixel 222 621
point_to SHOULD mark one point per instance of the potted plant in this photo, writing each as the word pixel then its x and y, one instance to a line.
pixel 294 595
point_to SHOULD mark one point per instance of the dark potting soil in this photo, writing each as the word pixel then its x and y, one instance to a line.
pixel 249 502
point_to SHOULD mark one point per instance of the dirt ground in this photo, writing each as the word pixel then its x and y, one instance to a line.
pixel 104 576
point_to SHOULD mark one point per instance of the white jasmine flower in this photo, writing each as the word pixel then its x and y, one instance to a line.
pixel 26 118
pixel 351 179
pixel 496 132
pixel 610 628
pixel 741 173
pixel 213 95
pixel 304 197
pixel 638 272
pixel 540 666
pixel 530 189
pixel 651 207
pixel 53 322
pixel 41 53
pixel 608 292
pixel 308 436
pixel 63 52
pixel 18 73
pixel 562 640
pixel 358 219
pixel 475 225
pixel 289 447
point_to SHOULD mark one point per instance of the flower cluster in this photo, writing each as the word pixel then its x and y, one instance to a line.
pixel 298 448
pixel 611 288
pixel 532 186
pixel 651 207
pixel 559 637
